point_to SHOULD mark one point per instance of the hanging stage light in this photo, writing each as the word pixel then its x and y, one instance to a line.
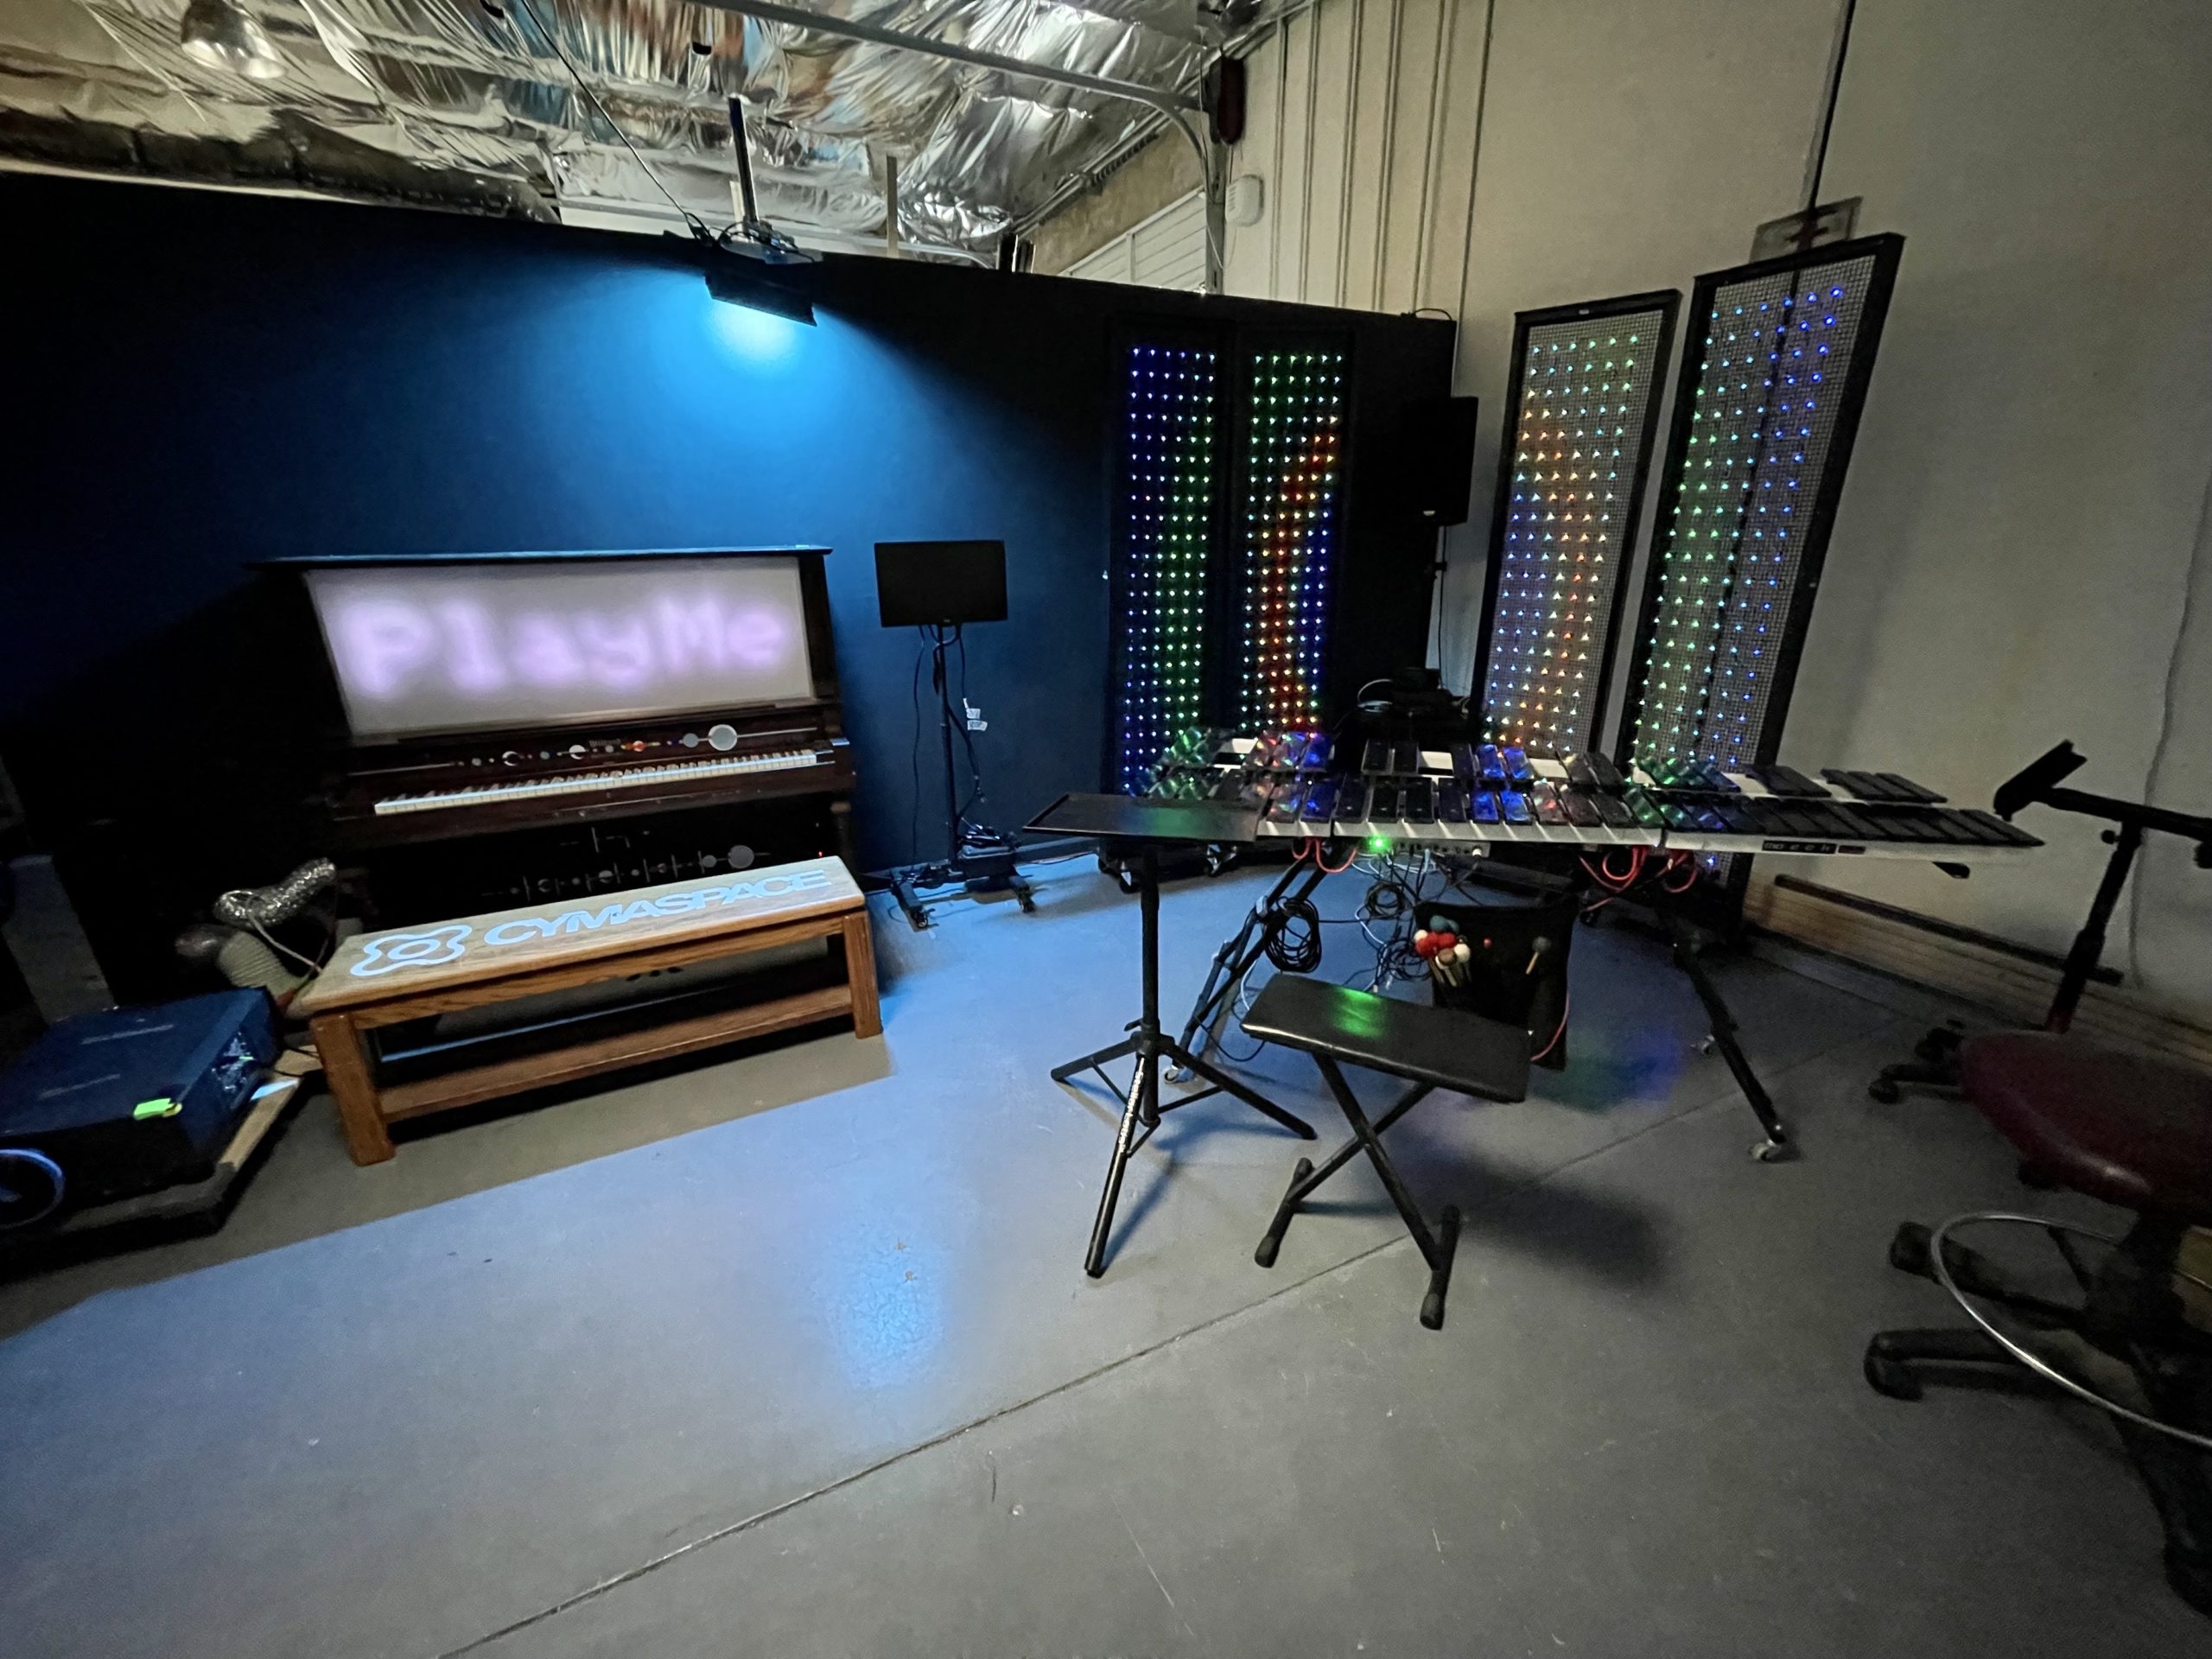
pixel 736 278
pixel 752 263
pixel 223 35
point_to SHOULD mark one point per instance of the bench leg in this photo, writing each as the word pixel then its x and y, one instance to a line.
pixel 1305 1178
pixel 1436 1248
pixel 346 1063
pixel 859 975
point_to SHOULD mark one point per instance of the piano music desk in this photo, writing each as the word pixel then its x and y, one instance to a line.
pixel 401 974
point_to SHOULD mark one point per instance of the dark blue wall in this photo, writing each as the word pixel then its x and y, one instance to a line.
pixel 211 380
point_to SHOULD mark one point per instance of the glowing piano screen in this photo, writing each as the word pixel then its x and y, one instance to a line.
pixel 447 647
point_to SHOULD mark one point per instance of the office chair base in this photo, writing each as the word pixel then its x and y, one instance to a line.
pixel 2128 1313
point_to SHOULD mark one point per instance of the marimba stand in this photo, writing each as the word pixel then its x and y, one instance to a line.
pixel 1145 823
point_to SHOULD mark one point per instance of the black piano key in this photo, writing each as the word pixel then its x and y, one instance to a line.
pixel 1732 814
pixel 1805 820
pixel 1643 809
pixel 1464 766
pixel 1952 826
pixel 1490 763
pixel 1899 822
pixel 1417 802
pixel 1382 799
pixel 1984 833
pixel 1678 814
pixel 1318 748
pixel 1514 806
pixel 1588 770
pixel 1856 827
pixel 1517 769
pixel 1813 819
pixel 1550 810
pixel 1405 759
pixel 1919 792
pixel 1612 811
pixel 1788 781
pixel 1482 806
pixel 2011 834
pixel 1862 786
pixel 1351 800
pixel 1452 801
pixel 1375 757
pixel 1580 807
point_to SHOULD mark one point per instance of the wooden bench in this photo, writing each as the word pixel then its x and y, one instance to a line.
pixel 402 974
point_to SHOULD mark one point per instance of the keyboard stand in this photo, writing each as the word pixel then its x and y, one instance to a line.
pixel 1777 1145
pixel 1239 954
pixel 1142 825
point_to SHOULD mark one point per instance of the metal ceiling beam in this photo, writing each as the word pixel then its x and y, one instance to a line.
pixel 1177 106
pixel 768 11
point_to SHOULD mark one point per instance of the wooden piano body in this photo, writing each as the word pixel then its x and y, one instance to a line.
pixel 443 820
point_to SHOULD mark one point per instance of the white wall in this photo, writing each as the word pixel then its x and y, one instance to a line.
pixel 2031 476
pixel 2014 543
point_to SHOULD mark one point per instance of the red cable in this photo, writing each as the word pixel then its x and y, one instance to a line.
pixel 1556 1035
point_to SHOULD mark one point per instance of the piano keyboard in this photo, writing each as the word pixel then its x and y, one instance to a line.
pixel 597 781
pixel 1453 806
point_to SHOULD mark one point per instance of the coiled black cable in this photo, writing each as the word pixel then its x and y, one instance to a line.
pixel 1295 946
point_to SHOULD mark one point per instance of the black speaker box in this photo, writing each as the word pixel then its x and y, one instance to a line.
pixel 1439 457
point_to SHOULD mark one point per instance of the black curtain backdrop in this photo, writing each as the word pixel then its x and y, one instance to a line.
pixel 204 379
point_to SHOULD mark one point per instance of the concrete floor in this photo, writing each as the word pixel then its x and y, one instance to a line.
pixel 792 1354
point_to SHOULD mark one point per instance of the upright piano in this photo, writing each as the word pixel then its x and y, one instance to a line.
pixel 490 696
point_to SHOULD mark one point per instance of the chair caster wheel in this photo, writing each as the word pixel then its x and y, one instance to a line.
pixel 1909 1251
pixel 1884 1090
pixel 1705 1046
pixel 1940 1046
pixel 1886 1376
pixel 1128 881
pixel 1772 1152
pixel 2191 1579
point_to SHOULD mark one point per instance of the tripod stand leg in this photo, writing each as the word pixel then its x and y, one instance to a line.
pixel 1229 1085
pixel 902 889
pixel 1096 1062
pixel 1142 1081
pixel 1777 1145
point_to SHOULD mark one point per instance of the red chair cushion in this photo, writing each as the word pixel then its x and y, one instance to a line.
pixel 2131 1130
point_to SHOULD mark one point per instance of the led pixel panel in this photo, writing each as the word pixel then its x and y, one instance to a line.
pixel 1291 505
pixel 1171 488
pixel 1584 399
pixel 1772 384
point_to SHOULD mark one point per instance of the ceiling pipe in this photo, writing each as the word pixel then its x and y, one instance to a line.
pixel 1176 106
pixel 851 29
pixel 891 204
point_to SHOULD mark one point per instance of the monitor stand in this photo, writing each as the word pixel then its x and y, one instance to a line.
pixel 977 859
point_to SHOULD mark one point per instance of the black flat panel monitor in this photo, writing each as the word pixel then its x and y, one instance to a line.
pixel 940 584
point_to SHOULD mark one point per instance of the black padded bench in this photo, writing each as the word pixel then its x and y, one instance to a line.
pixel 1430 1047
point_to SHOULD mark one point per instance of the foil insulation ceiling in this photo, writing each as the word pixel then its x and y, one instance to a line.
pixel 467 103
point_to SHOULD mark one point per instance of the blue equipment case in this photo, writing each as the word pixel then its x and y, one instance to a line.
pixel 133 1099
